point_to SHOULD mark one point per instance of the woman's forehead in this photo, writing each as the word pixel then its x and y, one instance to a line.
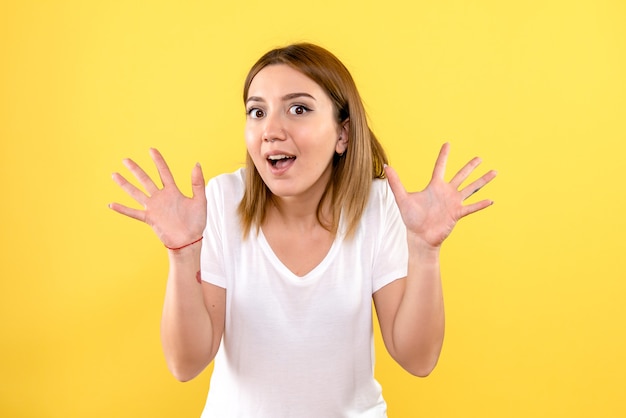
pixel 280 80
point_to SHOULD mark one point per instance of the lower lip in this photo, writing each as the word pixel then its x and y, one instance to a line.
pixel 282 168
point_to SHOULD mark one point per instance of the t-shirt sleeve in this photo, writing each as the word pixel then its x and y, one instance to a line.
pixel 212 252
pixel 392 254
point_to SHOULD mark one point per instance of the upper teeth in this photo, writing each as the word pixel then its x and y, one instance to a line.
pixel 278 157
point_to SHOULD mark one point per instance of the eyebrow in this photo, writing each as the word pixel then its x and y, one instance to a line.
pixel 286 97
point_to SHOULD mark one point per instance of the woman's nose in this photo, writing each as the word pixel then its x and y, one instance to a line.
pixel 273 129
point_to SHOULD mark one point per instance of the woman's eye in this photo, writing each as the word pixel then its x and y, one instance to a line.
pixel 298 110
pixel 256 113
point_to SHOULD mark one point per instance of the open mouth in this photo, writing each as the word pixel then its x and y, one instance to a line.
pixel 280 160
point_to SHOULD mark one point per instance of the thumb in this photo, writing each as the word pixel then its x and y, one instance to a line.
pixel 394 182
pixel 197 181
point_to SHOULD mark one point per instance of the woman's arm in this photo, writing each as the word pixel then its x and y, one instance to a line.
pixel 411 310
pixel 193 316
pixel 193 313
pixel 411 315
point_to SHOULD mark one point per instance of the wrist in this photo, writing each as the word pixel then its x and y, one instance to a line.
pixel 195 242
pixel 186 254
pixel 420 248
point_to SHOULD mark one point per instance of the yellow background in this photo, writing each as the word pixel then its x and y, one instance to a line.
pixel 535 286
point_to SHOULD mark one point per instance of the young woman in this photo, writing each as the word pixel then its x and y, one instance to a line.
pixel 273 267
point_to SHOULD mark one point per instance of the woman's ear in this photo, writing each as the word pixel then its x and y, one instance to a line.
pixel 342 142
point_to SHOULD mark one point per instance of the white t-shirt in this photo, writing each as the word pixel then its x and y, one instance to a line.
pixel 298 346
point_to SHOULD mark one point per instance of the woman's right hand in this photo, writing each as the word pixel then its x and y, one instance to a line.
pixel 176 219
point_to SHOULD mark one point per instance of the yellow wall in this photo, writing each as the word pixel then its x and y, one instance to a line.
pixel 535 286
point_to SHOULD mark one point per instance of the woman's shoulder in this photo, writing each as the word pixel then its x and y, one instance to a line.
pixel 228 181
pixel 380 197
pixel 380 190
pixel 227 187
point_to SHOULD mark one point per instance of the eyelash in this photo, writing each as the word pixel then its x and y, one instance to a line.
pixel 306 109
pixel 252 110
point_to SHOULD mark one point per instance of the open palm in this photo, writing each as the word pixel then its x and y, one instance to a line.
pixel 175 218
pixel 433 213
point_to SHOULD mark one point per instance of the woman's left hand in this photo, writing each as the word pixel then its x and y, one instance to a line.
pixel 432 213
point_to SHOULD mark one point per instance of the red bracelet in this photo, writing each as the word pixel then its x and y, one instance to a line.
pixel 186 245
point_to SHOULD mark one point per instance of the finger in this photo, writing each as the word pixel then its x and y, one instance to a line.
pixel 464 173
pixel 476 185
pixel 394 182
pixel 197 181
pixel 475 207
pixel 140 215
pixel 141 176
pixel 130 189
pixel 164 171
pixel 442 159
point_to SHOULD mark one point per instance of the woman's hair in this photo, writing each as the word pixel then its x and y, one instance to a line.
pixel 352 173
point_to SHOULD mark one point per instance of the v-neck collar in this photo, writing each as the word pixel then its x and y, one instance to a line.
pixel 314 273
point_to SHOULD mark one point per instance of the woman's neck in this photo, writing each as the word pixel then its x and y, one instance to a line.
pixel 298 214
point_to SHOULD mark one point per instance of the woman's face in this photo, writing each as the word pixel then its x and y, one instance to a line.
pixel 292 132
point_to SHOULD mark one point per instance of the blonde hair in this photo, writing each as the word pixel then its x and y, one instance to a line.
pixel 352 172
